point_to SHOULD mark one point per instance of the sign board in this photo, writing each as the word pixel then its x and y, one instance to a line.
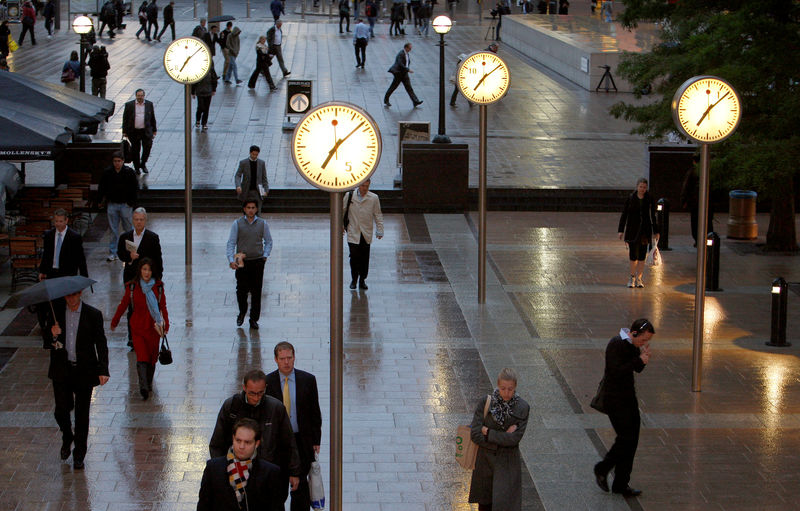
pixel 84 7
pixel 411 132
pixel 14 12
pixel 298 97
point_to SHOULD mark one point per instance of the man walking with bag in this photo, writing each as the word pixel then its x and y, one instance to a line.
pixel 627 352
pixel 362 209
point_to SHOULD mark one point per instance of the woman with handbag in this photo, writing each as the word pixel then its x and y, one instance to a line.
pixel 71 68
pixel 637 225
pixel 263 61
pixel 148 320
pixel 497 478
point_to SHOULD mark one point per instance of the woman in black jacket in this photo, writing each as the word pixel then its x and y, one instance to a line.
pixel 638 224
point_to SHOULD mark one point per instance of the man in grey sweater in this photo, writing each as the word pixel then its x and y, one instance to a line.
pixel 232 44
pixel 249 245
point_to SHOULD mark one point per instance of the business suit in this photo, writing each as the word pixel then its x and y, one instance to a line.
pixel 217 494
pixel 309 425
pixel 71 259
pixel 149 247
pixel 141 138
pixel 619 397
pixel 400 71
pixel 73 382
pixel 242 180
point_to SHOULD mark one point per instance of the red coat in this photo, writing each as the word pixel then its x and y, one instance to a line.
pixel 28 10
pixel 146 340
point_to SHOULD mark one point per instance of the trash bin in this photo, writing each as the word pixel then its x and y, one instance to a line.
pixel 742 223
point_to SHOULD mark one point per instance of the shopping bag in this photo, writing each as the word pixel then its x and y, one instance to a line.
pixel 466 449
pixel 12 44
pixel 654 257
pixel 315 485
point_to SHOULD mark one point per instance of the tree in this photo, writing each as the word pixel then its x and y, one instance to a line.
pixel 754 45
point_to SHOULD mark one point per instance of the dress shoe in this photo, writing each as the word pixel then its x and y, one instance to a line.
pixel 386 103
pixel 416 104
pixel 77 464
pixel 253 324
pixel 144 167
pixel 287 73
pixel 602 479
pixel 628 492
pixel 362 285
pixel 352 284
pixel 145 394
pixel 239 319
pixel 65 449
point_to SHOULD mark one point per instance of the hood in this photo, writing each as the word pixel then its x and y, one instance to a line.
pixel 236 31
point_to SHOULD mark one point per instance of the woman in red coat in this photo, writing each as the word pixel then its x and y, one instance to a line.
pixel 148 321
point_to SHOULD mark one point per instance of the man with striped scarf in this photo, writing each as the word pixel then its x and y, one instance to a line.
pixel 239 480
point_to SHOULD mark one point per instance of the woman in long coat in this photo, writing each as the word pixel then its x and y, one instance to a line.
pixel 148 320
pixel 638 223
pixel 497 479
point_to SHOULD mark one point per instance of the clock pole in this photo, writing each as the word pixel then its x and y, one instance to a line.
pixel 336 351
pixel 700 281
pixel 482 206
pixel 187 133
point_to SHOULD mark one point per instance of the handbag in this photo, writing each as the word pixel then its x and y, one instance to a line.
pixel 315 484
pixel 466 449
pixel 599 398
pixel 68 75
pixel 12 44
pixel 165 354
pixel 346 218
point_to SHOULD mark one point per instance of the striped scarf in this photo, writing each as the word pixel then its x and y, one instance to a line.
pixel 238 472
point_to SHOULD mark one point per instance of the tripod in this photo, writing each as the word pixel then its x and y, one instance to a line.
pixel 605 79
pixel 491 29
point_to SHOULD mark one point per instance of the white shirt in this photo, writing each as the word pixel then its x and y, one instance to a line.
pixel 138 119
pixel 408 60
pixel 57 248
pixel 278 37
pixel 137 238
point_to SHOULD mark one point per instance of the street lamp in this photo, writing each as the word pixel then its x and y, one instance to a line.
pixel 83 25
pixel 441 25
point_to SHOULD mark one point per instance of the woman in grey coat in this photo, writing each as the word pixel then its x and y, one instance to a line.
pixel 497 479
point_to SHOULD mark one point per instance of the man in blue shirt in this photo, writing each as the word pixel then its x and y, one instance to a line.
pixel 249 245
pixel 360 39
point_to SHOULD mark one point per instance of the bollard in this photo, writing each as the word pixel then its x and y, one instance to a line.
pixel 662 217
pixel 780 300
pixel 712 262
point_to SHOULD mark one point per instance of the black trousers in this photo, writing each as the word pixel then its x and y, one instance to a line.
pixel 359 259
pixel 406 81
pixel 248 281
pixel 27 28
pixel 140 143
pixel 620 457
pixel 103 26
pixel 171 25
pixel 361 46
pixel 343 17
pixel 48 24
pixel 301 497
pixel 151 24
pixel 69 396
pixel 264 70
pixel 203 104
pixel 455 95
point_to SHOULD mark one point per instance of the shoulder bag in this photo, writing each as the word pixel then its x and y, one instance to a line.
pixel 346 218
pixel 466 449
pixel 598 401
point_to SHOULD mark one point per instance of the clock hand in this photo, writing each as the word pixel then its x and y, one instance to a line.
pixel 338 143
pixel 708 110
pixel 484 77
pixel 188 59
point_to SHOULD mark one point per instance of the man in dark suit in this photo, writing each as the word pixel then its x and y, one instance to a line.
pixel 278 444
pixel 63 250
pixel 627 352
pixel 240 480
pixel 251 173
pixel 298 391
pixel 400 69
pixel 78 363
pixel 147 245
pixel 139 125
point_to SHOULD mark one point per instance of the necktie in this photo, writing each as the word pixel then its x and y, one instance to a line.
pixel 59 238
pixel 287 399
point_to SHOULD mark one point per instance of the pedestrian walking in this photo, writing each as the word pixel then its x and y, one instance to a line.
pixel 627 352
pixel 238 479
pixel 119 9
pixel 200 30
pixel 424 15
pixel 275 42
pixel 71 69
pixel 142 13
pixel 400 70
pixel 297 390
pixel 263 62
pixel 98 69
pixel 344 14
pixel 363 209
pixel 28 23
pixel 5 33
pixel 493 47
pixel 148 322
pixel 117 189
pixel 63 253
pixel 397 16
pixel 169 21
pixel 222 40
pixel 371 12
pixel 204 90
pixel 497 430
pixel 78 363
pixel 152 19
pixel 638 227
pixel 249 246
pixel 360 39
pixel 210 38
pixel 139 125
pixel 108 17
pixel 49 16
pixel 251 178
pixel 277 8
pixel 233 44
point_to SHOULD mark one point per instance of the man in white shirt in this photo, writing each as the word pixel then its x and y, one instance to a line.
pixel 360 40
pixel 139 125
pixel 274 42
pixel 63 250
pixel 362 208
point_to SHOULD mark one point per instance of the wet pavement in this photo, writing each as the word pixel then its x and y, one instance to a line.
pixel 419 354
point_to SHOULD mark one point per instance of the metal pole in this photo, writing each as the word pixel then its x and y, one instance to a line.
pixel 194 13
pixel 248 8
pixel 83 63
pixel 441 137
pixel 700 283
pixel 482 207
pixel 337 355
pixel 187 133
pixel 303 10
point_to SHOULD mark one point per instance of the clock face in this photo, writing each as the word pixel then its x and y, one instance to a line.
pixel 336 146
pixel 483 77
pixel 706 109
pixel 187 60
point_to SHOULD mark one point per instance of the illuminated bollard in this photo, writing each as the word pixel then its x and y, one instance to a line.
pixel 662 217
pixel 712 262
pixel 780 300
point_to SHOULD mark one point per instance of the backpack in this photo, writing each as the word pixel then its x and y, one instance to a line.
pixel 370 11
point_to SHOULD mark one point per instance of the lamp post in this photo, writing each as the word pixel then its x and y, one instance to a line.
pixel 441 25
pixel 83 25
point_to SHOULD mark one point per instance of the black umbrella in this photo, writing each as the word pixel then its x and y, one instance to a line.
pixel 220 19
pixel 48 290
